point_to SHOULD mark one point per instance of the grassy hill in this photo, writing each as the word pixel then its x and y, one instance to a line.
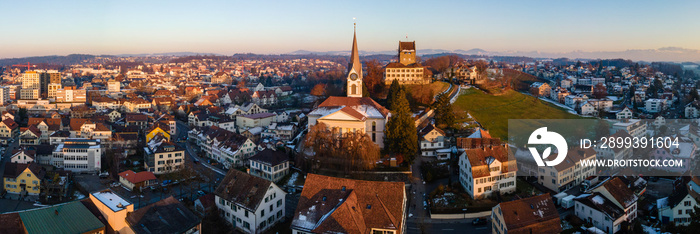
pixel 493 111
pixel 424 93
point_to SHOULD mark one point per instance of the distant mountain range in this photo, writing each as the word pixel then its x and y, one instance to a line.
pixel 667 54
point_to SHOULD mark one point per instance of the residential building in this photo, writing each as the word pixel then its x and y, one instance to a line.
pixel 678 207
pixel 226 147
pixel 71 95
pixel 8 130
pixel 655 105
pixel 113 86
pixel 255 120
pixel 339 205
pixel 23 179
pixel 487 170
pixel 163 156
pixel 4 95
pixel 634 127
pixel 165 216
pixel 251 204
pixel 78 155
pixel 133 180
pixel 625 113
pixel 618 153
pixel 541 89
pixel 569 172
pixel 270 164
pixel 433 143
pixel 599 211
pixel 23 156
pixel 620 195
pixel 527 215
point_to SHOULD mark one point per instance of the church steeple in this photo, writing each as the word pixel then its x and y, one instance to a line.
pixel 354 79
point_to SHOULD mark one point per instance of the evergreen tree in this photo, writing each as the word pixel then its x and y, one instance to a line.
pixel 400 135
pixel 393 92
pixel 444 116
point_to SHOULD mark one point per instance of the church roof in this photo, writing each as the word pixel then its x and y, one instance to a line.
pixel 363 105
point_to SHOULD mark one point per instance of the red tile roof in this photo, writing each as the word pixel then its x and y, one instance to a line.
pixel 338 205
pixel 335 101
pixel 531 215
pixel 135 178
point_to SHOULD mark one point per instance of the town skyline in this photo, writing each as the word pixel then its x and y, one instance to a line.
pixel 281 28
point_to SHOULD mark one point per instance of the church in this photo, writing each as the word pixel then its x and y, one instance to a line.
pixel 353 112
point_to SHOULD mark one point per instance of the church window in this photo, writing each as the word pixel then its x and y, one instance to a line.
pixel 354 89
pixel 374 126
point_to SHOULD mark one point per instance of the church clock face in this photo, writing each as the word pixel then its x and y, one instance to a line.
pixel 353 76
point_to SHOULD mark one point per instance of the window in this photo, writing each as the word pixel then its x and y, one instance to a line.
pixel 686 203
pixel 262 213
pixel 246 214
pixel 680 212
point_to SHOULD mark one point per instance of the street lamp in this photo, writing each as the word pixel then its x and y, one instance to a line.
pixel 464 211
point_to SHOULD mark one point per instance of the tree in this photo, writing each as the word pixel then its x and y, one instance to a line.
pixel 373 78
pixel 400 133
pixel 393 93
pixel 349 151
pixel 600 91
pixel 319 90
pixel 444 116
pixel 22 116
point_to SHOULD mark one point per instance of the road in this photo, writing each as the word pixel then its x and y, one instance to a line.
pixel 191 154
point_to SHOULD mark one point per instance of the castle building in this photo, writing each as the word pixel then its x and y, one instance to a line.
pixel 407 70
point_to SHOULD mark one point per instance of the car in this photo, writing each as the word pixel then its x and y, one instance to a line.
pixel 479 221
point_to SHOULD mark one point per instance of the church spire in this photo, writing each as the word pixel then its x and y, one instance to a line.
pixel 355 55
pixel 354 79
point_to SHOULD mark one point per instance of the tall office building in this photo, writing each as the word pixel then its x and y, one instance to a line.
pixel 4 95
pixel 31 85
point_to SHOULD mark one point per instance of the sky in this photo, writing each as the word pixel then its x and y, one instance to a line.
pixel 37 28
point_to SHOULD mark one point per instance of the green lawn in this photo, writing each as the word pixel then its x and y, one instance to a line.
pixel 493 111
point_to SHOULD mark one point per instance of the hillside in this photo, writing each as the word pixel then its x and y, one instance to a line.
pixel 493 111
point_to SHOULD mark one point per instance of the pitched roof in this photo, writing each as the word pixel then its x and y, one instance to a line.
pixel 164 216
pixel 429 128
pixel 486 155
pixel 602 204
pixel 134 177
pixel 338 205
pixel 270 157
pixel 243 189
pixel 620 192
pixel 336 102
pixel 10 123
pixel 480 133
pixel 72 217
pixel 12 170
pixel 10 223
pixel 407 45
pixel 573 156
pixel 531 215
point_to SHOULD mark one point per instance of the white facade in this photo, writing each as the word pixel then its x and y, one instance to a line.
pixel 78 155
pixel 599 219
pixel 268 212
pixel 655 105
pixel 479 186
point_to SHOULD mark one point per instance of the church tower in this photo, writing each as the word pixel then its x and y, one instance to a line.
pixel 354 79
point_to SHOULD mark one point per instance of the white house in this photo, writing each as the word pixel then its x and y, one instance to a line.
pixel 251 204
pixel 678 207
pixel 486 170
pixel 655 105
pixel 432 140
pixel 270 164
pixel 599 211
pixel 78 155
pixel 625 113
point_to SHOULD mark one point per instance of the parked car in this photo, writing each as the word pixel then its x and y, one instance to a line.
pixel 479 221
pixel 104 174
